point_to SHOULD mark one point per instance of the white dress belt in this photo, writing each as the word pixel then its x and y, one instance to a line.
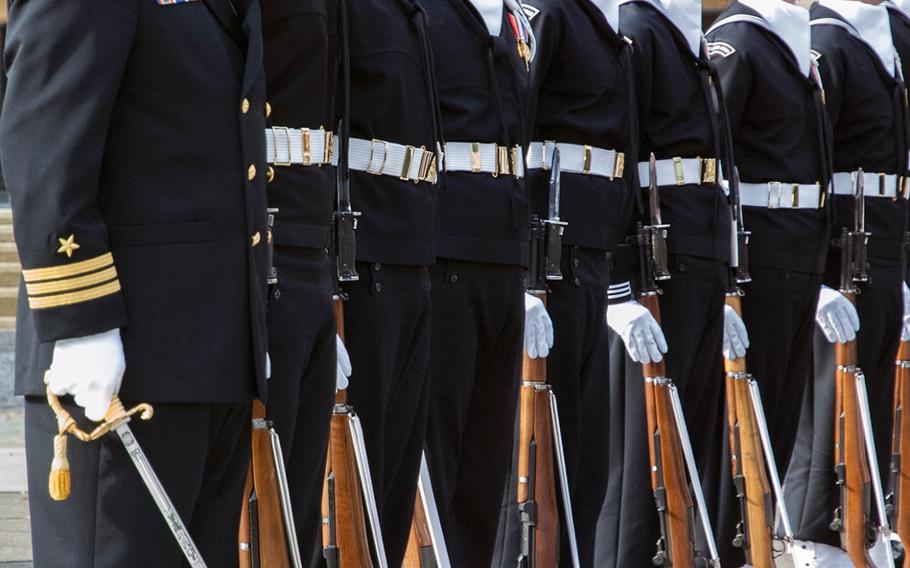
pixel 480 157
pixel 298 146
pixel 874 184
pixel 679 171
pixel 777 195
pixel 577 159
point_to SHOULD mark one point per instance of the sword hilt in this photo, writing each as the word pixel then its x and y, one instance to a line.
pixel 117 414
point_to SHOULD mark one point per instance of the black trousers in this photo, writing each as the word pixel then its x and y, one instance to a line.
pixel 200 452
pixel 475 367
pixel 811 492
pixel 301 322
pixel 579 371
pixel 692 321
pixel 387 326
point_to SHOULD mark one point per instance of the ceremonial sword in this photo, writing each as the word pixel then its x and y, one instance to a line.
pixel 117 420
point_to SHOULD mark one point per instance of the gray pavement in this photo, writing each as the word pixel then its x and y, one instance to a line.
pixel 15 535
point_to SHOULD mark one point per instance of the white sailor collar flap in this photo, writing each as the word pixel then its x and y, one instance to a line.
pixel 869 24
pixel 685 15
pixel 610 10
pixel 902 5
pixel 791 24
pixel 491 12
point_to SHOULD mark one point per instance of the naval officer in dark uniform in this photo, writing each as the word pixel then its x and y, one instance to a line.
pixel 776 110
pixel 865 98
pixel 680 125
pixel 393 147
pixel 301 66
pixel 581 61
pixel 482 49
pixel 133 151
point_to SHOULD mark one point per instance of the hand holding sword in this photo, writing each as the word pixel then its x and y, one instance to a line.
pixel 117 420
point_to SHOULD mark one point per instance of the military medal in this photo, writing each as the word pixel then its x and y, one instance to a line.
pixel 523 50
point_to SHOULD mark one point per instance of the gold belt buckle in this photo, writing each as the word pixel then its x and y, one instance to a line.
pixel 385 155
pixel 619 165
pixel 406 163
pixel 287 138
pixel 709 170
pixel 881 184
pixel 502 161
pixel 515 160
pixel 307 146
pixel 545 163
pixel 794 196
pixel 678 171
pixel 586 162
pixel 329 148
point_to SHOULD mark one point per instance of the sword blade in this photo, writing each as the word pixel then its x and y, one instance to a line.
pixel 860 209
pixel 555 174
pixel 184 540
pixel 342 172
pixel 284 492
pixel 366 485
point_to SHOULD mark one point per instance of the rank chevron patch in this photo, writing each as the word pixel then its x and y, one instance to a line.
pixel 720 49
pixel 530 11
pixel 815 55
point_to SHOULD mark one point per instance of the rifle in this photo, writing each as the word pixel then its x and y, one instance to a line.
pixel 852 518
pixel 267 534
pixel 541 459
pixel 426 545
pixel 348 501
pixel 900 442
pixel 668 439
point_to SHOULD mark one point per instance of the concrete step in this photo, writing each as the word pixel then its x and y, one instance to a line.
pixel 7 323
pixel 8 297
pixel 6 215
pixel 9 273
pixel 8 252
pixel 6 232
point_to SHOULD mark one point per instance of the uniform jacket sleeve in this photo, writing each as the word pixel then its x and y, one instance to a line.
pixel 832 68
pixel 735 74
pixel 65 61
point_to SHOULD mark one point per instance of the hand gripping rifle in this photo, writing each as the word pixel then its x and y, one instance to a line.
pixel 541 457
pixel 668 438
pixel 267 535
pixel 752 460
pixel 853 517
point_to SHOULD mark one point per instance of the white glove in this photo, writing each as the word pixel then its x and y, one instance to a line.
pixel 538 328
pixel 905 331
pixel 641 333
pixel 837 316
pixel 736 338
pixel 89 368
pixel 343 368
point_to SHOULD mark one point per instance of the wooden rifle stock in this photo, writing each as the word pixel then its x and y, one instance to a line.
pixel 420 543
pixel 900 449
pixel 851 465
pixel 536 428
pixel 349 521
pixel 668 475
pixel 748 464
pixel 263 540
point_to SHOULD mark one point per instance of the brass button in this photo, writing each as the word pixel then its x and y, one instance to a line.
pixel 256 238
pixel 245 106
pixel 251 173
pixel 270 174
pixel 268 110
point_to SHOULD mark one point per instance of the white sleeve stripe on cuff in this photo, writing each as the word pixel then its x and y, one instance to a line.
pixel 617 291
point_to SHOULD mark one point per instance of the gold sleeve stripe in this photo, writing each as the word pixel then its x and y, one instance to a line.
pixel 57 300
pixel 70 284
pixel 68 270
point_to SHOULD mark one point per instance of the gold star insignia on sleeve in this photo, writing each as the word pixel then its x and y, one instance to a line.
pixel 68 245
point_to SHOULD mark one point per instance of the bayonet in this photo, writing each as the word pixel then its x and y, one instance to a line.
pixel 654 192
pixel 330 552
pixel 652 239
pixel 344 242
pixel 741 238
pixel 553 227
